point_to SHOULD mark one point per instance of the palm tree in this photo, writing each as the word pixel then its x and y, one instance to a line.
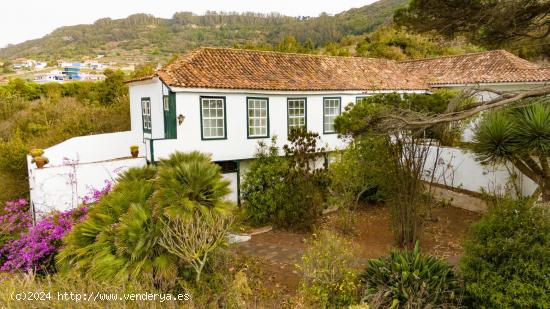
pixel 519 136
pixel 120 238
pixel 189 182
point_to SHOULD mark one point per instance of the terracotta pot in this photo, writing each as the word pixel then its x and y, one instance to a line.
pixel 40 163
pixel 135 153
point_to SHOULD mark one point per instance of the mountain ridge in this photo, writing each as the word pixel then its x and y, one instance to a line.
pixel 149 37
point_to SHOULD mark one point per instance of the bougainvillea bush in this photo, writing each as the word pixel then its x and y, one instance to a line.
pixel 24 247
pixel 14 219
pixel 36 248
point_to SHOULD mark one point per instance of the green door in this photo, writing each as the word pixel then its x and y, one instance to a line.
pixel 169 106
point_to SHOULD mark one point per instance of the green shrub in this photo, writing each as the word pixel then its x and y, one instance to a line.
pixel 357 174
pixel 121 238
pixel 408 279
pixel 328 270
pixel 302 201
pixel 13 153
pixel 287 191
pixel 507 258
pixel 263 185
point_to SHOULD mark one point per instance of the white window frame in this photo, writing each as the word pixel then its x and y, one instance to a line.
pixel 332 108
pixel 166 103
pixel 146 115
pixel 293 118
pixel 257 117
pixel 213 114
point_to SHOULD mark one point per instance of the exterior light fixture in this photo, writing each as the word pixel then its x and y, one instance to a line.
pixel 181 118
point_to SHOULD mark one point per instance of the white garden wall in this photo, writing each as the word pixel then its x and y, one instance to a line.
pixel 458 168
pixel 79 164
pixel 93 148
pixel 63 187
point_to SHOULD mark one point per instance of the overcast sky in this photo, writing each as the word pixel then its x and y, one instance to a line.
pixel 23 20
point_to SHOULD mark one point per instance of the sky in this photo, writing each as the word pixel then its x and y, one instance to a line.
pixel 30 19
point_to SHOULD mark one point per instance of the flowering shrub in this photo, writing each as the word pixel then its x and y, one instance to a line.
pixel 95 194
pixel 36 249
pixel 25 247
pixel 15 219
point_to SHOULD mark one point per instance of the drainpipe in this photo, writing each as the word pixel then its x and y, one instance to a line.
pixel 238 183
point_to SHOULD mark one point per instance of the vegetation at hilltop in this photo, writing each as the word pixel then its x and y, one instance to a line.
pixel 158 37
pixel 145 38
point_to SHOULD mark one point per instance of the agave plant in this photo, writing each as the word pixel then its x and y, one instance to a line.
pixel 521 137
pixel 407 279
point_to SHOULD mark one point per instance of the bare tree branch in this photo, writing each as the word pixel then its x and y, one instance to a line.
pixel 415 120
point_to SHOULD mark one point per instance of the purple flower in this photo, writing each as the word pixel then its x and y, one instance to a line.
pixel 15 218
pixel 36 248
pixel 94 194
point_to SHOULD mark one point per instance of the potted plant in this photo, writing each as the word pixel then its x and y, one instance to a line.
pixel 134 150
pixel 37 152
pixel 41 161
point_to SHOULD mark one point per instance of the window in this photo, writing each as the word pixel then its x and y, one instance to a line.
pixel 296 113
pixel 331 109
pixel 360 99
pixel 146 114
pixel 258 117
pixel 165 103
pixel 213 118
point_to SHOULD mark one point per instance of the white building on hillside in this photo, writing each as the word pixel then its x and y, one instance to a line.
pixel 223 101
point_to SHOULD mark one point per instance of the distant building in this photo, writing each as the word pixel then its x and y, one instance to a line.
pixel 71 72
pixel 29 64
pixel 54 76
pixel 91 77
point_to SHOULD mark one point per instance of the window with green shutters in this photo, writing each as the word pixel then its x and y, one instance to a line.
pixel 213 119
pixel 296 113
pixel 331 110
pixel 258 117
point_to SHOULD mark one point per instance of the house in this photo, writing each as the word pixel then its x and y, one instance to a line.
pixel 223 101
pixel 54 76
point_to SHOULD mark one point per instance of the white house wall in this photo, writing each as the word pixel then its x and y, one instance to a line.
pixel 151 89
pixel 232 178
pixel 237 146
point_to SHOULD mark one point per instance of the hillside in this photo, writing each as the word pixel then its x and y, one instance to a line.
pixel 144 37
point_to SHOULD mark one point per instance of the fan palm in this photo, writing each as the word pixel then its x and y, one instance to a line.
pixel 188 183
pixel 120 238
pixel 521 137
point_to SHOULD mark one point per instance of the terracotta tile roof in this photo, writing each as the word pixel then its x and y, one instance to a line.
pixel 227 68
pixel 497 66
pixel 260 70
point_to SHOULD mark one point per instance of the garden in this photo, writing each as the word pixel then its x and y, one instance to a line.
pixel 355 228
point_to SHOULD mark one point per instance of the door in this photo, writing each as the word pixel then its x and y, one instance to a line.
pixel 170 122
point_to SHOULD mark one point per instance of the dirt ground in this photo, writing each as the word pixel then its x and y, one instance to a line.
pixel 280 250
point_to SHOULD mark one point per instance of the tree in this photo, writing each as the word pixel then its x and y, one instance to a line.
pixel 143 70
pixel 7 67
pixel 113 88
pixel 488 22
pixel 520 137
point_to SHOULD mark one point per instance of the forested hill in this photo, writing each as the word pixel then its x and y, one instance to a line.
pixel 152 37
